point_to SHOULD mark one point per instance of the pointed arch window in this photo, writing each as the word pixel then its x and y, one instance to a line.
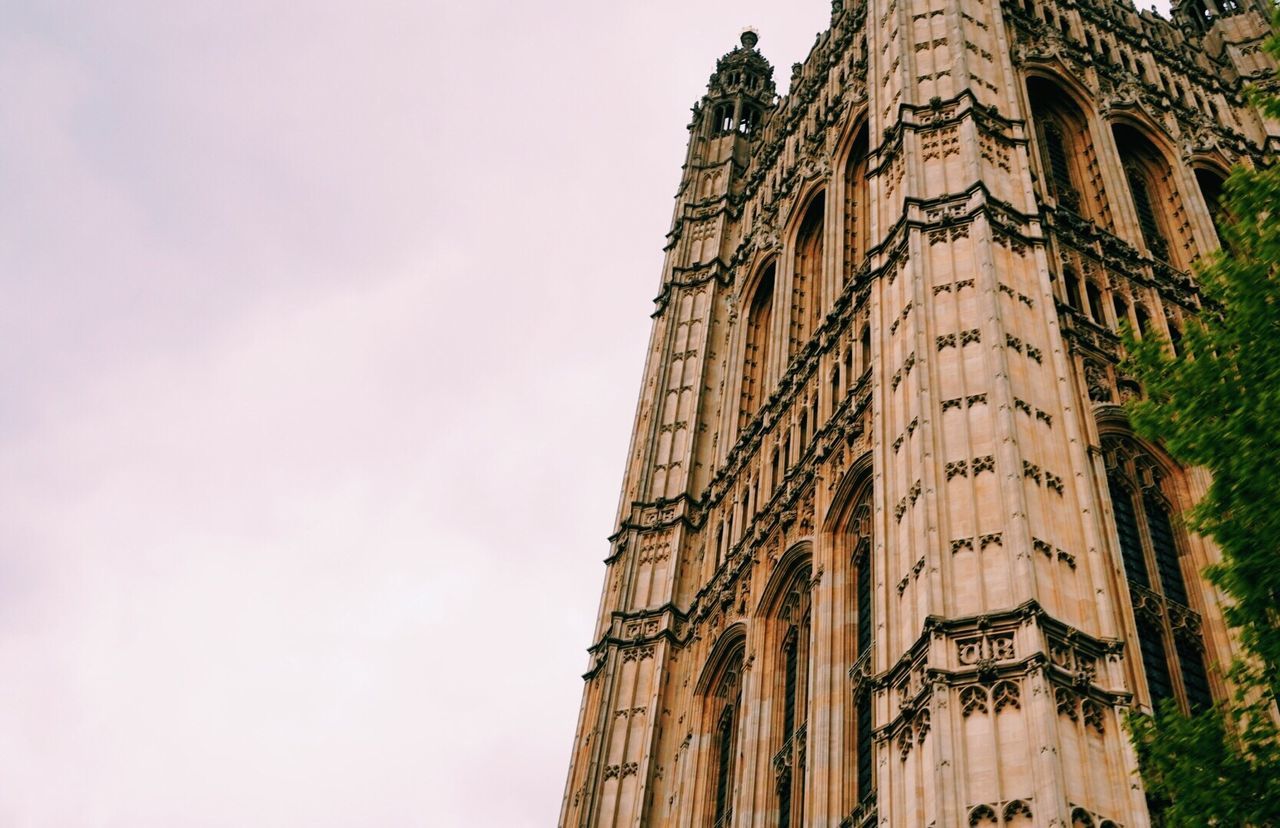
pixel 1056 147
pixel 806 278
pixel 1211 185
pixel 722 704
pixel 1067 156
pixel 1170 640
pixel 862 604
pixel 1157 201
pixel 1141 192
pixel 853 539
pixel 726 734
pixel 792 686
pixel 755 357
pixel 857 206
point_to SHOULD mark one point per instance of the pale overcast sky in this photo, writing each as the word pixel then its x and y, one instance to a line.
pixel 322 330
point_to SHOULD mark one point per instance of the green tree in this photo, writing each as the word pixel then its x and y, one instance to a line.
pixel 1217 405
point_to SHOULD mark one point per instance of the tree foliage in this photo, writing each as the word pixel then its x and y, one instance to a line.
pixel 1216 404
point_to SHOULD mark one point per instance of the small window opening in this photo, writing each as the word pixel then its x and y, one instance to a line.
pixel 1175 339
pixel 1072 285
pixel 1094 295
pixel 1121 308
pixel 724 118
pixel 1144 321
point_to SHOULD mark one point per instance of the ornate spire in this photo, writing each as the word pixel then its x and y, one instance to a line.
pixel 741 89
pixel 744 70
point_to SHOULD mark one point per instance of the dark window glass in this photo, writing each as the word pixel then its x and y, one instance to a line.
pixel 1166 551
pixel 724 763
pixel 1055 148
pixel 1072 285
pixel 1135 565
pixel 1194 678
pixel 1154 662
pixel 1146 213
pixel 864 605
pixel 789 693
pixel 864 746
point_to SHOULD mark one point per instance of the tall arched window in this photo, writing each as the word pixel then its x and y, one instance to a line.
pixel 860 530
pixel 1055 145
pixel 850 534
pixel 721 693
pixel 1156 201
pixel 857 206
pixel 1152 233
pixel 726 739
pixel 1211 182
pixel 1170 641
pixel 792 688
pixel 755 356
pixel 806 280
pixel 1067 157
pixel 864 348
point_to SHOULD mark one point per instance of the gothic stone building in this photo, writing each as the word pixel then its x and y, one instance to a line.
pixel 887 551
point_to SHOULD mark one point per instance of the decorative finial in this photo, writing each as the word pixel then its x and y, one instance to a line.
pixel 750 37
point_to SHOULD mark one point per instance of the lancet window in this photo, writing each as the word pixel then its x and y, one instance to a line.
pixel 806 279
pixel 791 686
pixel 1152 234
pixel 860 533
pixel 755 357
pixel 857 206
pixel 1067 157
pixel 851 537
pixel 1156 203
pixel 1211 182
pixel 1170 640
pixel 722 704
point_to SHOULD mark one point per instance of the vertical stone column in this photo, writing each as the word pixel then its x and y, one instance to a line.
pixel 987 502
pixel 615 778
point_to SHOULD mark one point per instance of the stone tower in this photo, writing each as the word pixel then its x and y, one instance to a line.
pixel 887 551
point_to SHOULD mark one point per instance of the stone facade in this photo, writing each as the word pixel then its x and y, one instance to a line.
pixel 887 552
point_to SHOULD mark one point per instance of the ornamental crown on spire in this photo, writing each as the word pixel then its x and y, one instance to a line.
pixel 741 89
pixel 744 71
